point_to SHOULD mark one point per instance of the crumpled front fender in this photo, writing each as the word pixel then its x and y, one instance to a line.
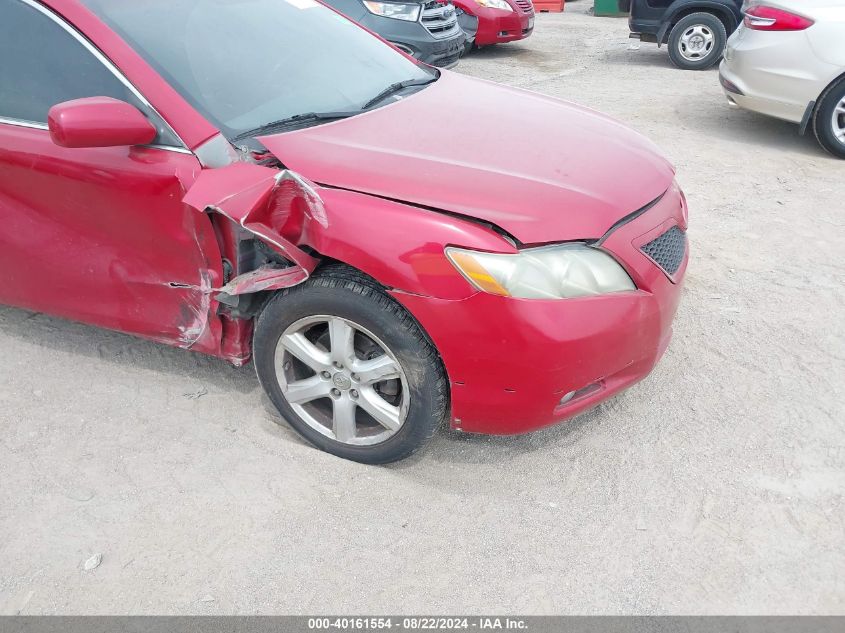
pixel 400 245
pixel 263 202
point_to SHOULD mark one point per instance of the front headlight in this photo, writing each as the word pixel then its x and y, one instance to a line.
pixel 409 12
pixel 549 272
pixel 495 4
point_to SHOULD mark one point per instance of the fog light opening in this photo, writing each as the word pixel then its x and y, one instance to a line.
pixel 404 49
pixel 566 398
pixel 583 392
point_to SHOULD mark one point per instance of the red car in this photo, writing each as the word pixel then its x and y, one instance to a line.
pixel 265 179
pixel 500 21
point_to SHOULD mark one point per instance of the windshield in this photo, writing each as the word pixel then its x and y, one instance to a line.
pixel 246 63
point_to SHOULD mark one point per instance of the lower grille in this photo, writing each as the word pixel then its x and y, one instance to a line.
pixel 668 249
pixel 525 5
pixel 446 62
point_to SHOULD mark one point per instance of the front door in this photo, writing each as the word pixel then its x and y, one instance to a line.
pixel 98 235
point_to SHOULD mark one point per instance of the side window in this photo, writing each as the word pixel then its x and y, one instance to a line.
pixel 41 64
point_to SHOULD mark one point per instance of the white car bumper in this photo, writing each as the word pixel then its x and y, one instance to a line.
pixel 774 73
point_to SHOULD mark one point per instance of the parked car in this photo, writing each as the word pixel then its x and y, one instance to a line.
pixel 425 29
pixel 265 178
pixel 500 21
pixel 694 30
pixel 788 61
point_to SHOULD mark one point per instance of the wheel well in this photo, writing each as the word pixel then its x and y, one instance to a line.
pixel 343 270
pixel 826 89
pixel 356 274
pixel 348 271
pixel 724 17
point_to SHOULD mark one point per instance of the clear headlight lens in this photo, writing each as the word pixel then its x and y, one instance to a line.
pixel 409 12
pixel 550 272
pixel 495 4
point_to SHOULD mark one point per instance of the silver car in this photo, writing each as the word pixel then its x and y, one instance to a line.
pixel 787 60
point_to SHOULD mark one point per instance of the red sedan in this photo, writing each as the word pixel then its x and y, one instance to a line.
pixel 500 21
pixel 266 179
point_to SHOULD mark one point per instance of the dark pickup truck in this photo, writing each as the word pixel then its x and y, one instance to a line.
pixel 695 31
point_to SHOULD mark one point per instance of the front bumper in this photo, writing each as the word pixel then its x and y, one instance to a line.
pixel 510 362
pixel 443 54
pixel 440 53
pixel 773 73
pixel 497 27
pixel 415 40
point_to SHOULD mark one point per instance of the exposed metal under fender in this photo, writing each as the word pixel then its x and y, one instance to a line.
pixel 264 278
pixel 266 203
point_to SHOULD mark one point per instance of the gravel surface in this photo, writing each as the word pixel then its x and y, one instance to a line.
pixel 135 478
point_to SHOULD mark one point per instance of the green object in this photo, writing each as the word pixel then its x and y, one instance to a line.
pixel 608 8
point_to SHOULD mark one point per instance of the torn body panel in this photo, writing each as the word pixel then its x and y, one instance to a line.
pixel 255 211
pixel 301 221
pixel 263 279
pixel 264 202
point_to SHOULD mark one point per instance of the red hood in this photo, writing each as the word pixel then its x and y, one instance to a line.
pixel 542 169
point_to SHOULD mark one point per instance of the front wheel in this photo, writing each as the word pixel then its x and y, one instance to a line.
pixel 829 120
pixel 349 368
pixel 697 41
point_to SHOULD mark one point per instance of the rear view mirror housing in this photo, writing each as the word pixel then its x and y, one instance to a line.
pixel 98 122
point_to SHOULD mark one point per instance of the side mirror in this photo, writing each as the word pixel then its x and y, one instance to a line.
pixel 98 122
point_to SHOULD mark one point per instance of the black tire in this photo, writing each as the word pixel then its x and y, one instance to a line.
pixel 711 24
pixel 340 291
pixel 823 119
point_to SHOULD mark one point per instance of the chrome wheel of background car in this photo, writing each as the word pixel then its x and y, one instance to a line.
pixel 696 42
pixel 342 380
pixel 839 121
pixel 829 119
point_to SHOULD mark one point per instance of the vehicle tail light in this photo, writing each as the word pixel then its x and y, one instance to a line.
pixel 761 18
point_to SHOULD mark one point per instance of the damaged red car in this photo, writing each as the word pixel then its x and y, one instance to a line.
pixel 265 179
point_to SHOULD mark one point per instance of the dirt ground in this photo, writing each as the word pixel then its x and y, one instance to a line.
pixel 715 486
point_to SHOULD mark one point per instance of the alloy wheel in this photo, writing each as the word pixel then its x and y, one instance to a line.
pixel 342 380
pixel 838 121
pixel 696 42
